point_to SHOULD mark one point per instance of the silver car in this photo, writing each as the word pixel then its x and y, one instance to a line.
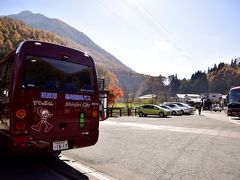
pixel 184 109
pixel 174 110
pixel 191 109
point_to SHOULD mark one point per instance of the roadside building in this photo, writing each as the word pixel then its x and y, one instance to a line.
pixel 214 97
pixel 191 99
pixel 150 97
pixel 188 97
pixel 103 98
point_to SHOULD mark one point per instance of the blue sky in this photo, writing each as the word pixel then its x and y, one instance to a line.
pixel 151 36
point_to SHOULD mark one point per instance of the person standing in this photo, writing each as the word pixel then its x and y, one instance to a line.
pixel 199 108
pixel 100 111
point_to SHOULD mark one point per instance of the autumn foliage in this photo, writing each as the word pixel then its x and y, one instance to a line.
pixel 115 94
pixel 112 85
pixel 12 32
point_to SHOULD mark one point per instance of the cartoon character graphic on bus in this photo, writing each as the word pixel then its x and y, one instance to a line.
pixel 43 115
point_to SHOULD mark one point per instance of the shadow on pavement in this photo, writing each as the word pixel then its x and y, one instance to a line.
pixel 36 167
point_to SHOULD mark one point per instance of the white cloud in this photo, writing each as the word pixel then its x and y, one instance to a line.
pixel 108 46
pixel 160 58
pixel 184 53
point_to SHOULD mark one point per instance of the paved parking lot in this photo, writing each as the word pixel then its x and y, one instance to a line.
pixel 196 146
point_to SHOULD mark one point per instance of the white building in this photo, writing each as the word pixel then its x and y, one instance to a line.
pixel 214 97
pixel 189 97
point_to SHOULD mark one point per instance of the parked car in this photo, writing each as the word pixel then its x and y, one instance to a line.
pixel 191 109
pixel 216 107
pixel 184 109
pixel 151 109
pixel 173 110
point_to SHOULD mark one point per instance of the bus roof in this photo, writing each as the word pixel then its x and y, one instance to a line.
pixel 41 48
pixel 45 43
pixel 237 87
pixel 40 43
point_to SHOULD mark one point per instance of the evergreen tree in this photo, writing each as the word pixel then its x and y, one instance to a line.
pixel 174 85
pixel 186 87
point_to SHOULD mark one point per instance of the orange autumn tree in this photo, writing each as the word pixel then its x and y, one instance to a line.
pixel 115 94
pixel 112 83
pixel 115 91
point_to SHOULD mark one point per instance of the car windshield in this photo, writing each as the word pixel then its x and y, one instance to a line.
pixel 179 104
pixel 165 107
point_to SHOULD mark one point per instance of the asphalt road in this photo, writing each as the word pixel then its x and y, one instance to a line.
pixel 36 167
pixel 196 146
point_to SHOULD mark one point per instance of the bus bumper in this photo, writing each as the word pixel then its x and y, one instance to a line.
pixel 234 114
pixel 23 144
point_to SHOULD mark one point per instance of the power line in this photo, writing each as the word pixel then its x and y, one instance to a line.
pixel 149 14
pixel 146 13
pixel 123 20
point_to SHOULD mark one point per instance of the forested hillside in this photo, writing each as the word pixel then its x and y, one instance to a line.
pixel 218 79
pixel 61 33
pixel 12 32
pixel 56 26
pixel 224 76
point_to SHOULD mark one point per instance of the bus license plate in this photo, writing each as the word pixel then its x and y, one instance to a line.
pixel 59 145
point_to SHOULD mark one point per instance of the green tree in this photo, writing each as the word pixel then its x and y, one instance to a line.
pixel 174 85
pixel 186 87
pixel 199 82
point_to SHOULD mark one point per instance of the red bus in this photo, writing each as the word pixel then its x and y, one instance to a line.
pixel 49 99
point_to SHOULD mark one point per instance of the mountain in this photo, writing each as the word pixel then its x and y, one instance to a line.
pixel 108 66
pixel 12 32
pixel 102 57
pixel 127 78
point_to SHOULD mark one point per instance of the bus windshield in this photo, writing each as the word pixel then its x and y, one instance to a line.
pixel 52 74
pixel 234 96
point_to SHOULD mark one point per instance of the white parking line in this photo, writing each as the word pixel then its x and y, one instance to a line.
pixel 84 169
pixel 213 132
pixel 230 119
pixel 221 118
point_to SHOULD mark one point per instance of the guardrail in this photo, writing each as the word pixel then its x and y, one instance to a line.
pixel 118 112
